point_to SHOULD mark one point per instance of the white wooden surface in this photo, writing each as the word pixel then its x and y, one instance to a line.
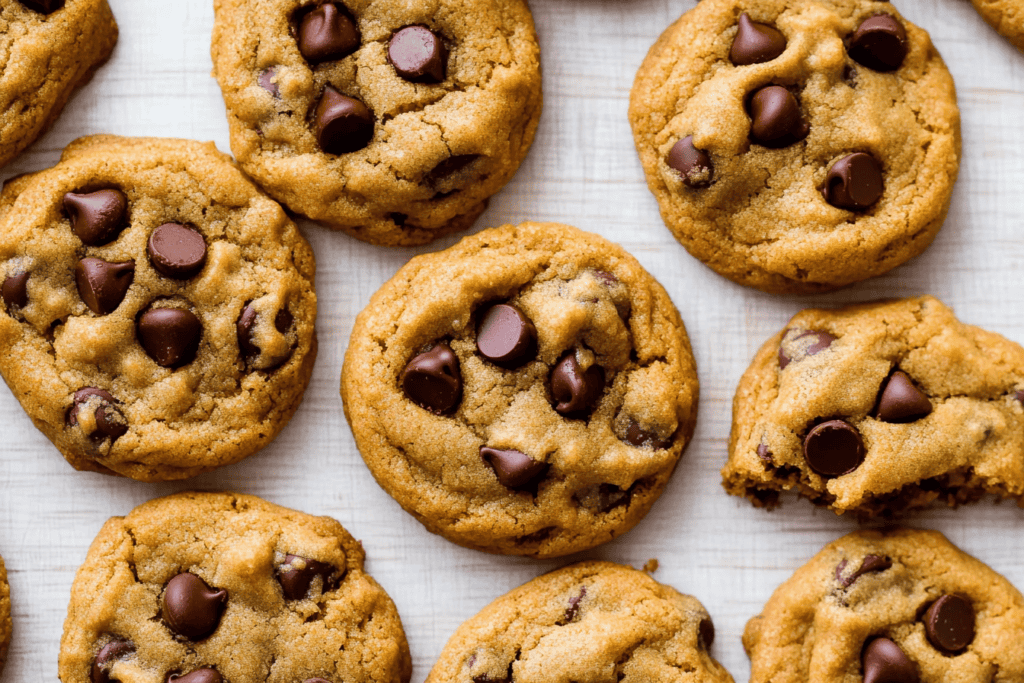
pixel 582 170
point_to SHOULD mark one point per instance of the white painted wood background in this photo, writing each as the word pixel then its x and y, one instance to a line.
pixel 582 170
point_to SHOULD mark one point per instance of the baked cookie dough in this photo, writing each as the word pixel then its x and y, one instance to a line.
pixel 526 392
pixel 227 588
pixel 47 49
pixel 5 613
pixel 394 122
pixel 593 621
pixel 880 408
pixel 797 145
pixel 901 606
pixel 156 308
pixel 1005 16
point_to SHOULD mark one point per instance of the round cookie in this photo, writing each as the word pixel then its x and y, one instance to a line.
pixel 1005 16
pixel 797 146
pixel 903 605
pixel 592 621
pixel 227 588
pixel 156 308
pixel 394 122
pixel 528 391
pixel 5 613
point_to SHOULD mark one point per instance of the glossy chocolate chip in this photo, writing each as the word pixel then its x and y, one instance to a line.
pixel 245 327
pixel 266 81
pixel 506 336
pixel 342 124
pixel 573 610
pixel 177 251
pixel 197 676
pixel 576 391
pixel 949 624
pixel 327 33
pixel 870 563
pixel 636 436
pixel 418 54
pixel 105 658
pixel 110 422
pixel 433 380
pixel 706 632
pixel 755 43
pixel 900 401
pixel 694 165
pixel 776 120
pixel 102 285
pixel 97 217
pixel 169 335
pixel 834 448
pixel 854 182
pixel 879 43
pixel 814 342
pixel 43 6
pixel 884 662
pixel 15 291
pixel 297 573
pixel 191 608
pixel 514 469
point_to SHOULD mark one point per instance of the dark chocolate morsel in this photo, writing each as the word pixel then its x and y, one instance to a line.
pixel 834 448
pixel 949 624
pixel 764 454
pixel 297 573
pixel 327 33
pixel 177 251
pixel 506 336
pixel 602 497
pixel 694 165
pixel 636 436
pixel 316 680
pixel 110 423
pixel 573 610
pixel 816 342
pixel 97 217
pixel 706 632
pixel 433 380
pixel 755 43
pixel 244 329
pixel 169 335
pixel 884 662
pixel 15 291
pixel 870 563
pixel 418 54
pixel 900 401
pixel 854 182
pixel 266 81
pixel 448 168
pixel 205 675
pixel 43 6
pixel 1019 396
pixel 576 391
pixel 879 43
pixel 776 120
pixel 514 469
pixel 342 124
pixel 105 658
pixel 102 285
pixel 191 608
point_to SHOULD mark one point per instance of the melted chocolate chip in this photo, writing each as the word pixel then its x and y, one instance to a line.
pixel 342 124
pixel 244 329
pixel 191 608
pixel 316 680
pixel 814 342
pixel 15 291
pixel 879 43
pixel 602 497
pixel 573 610
pixel 870 563
pixel 506 336
pixel 884 662
pixel 900 401
pixel 418 54
pixel 43 6
pixel 834 448
pixel 706 632
pixel 97 217
pixel 103 285
pixel 576 391
pixel 514 469
pixel 198 676
pixel 694 165
pixel 169 335
pixel 854 182
pixel 105 658
pixel 433 380
pixel 297 573
pixel 177 251
pixel 636 436
pixel 949 624
pixel 448 169
pixel 764 454
pixel 327 33
pixel 266 81
pixel 110 422
pixel 755 43
pixel 776 119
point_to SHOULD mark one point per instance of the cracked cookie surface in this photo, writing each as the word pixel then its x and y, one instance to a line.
pixel 880 408
pixel 593 621
pixel 746 116
pixel 528 391
pixel 394 122
pixel 228 588
pixel 904 605
pixel 1005 16
pixel 157 310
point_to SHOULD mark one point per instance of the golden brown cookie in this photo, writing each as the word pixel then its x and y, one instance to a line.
pixel 797 145
pixel 5 613
pixel 528 391
pixel 1005 16
pixel 157 308
pixel 394 122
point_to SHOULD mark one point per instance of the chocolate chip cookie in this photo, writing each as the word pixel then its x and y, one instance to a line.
pixel 904 606
pixel 592 621
pixel 880 408
pixel 227 588
pixel 527 391
pixel 394 122
pixel 47 49
pixel 1005 16
pixel 156 308
pixel 797 146
pixel 5 613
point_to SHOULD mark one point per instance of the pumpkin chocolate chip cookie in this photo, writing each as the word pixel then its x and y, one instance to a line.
pixel 797 146
pixel 528 391
pixel 1005 16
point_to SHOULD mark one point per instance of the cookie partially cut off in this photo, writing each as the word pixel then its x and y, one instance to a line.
pixel 5 613
pixel 880 408
pixel 1005 16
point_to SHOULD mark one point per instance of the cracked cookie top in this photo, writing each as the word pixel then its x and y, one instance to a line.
pixel 391 121
pixel 903 605
pixel 797 146
pixel 592 621
pixel 527 391
pixel 228 588
pixel 156 308
pixel 880 408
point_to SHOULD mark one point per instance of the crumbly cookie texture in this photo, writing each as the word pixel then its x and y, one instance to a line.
pixel 47 49
pixel 1005 16
pixel 903 605
pixel 394 122
pixel 528 391
pixel 157 311
pixel 797 146
pixel 5 613
pixel 224 587
pixel 592 621
pixel 880 408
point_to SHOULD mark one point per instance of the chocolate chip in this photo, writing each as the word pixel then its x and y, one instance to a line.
pixel 102 285
pixel 870 563
pixel 448 168
pixel 755 43
pixel 606 278
pixel 191 608
pixel 43 6
pixel 432 379
pixel 177 251
pixel 602 497
pixel 342 124
pixel 900 401
pixel 327 33
pixel 879 43
pixel 764 454
pixel 506 336
pixel 949 624
pixel 810 343
pixel 266 81
pixel 316 680
pixel 514 469
pixel 706 632
pixel 1019 396
pixel 244 329
pixel 854 182
pixel 636 436
pixel 105 658
pixel 418 55
pixel 110 422
pixel 576 391
pixel 197 676
pixel 169 335
pixel 776 118
pixel 884 662
pixel 297 573
pixel 694 165
pixel 97 217
pixel 573 610
pixel 834 448
pixel 15 291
